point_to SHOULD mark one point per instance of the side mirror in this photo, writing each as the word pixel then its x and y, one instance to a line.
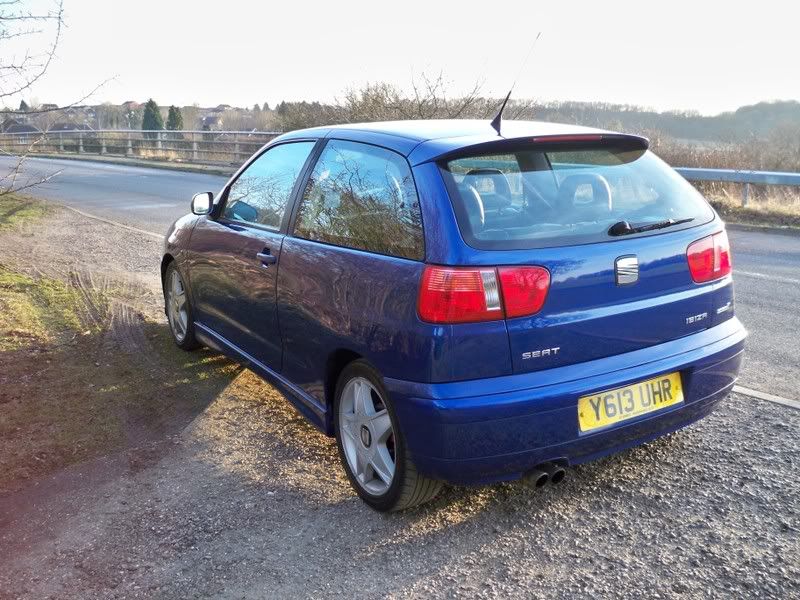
pixel 202 203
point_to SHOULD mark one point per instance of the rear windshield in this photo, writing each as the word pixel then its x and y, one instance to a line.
pixel 534 198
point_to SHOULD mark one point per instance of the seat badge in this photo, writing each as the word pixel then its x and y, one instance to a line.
pixel 626 270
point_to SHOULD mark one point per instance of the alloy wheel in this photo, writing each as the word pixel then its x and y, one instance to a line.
pixel 367 436
pixel 176 306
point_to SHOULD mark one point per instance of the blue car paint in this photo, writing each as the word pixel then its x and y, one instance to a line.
pixel 470 407
pixel 234 292
pixel 332 298
pixel 464 431
pixel 581 329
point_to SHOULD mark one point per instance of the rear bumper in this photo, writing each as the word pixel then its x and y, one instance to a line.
pixel 496 429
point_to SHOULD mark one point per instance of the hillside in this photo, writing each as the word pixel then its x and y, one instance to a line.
pixel 753 121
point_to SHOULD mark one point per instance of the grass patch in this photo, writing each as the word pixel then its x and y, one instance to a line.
pixel 16 210
pixel 763 213
pixel 36 310
pixel 71 392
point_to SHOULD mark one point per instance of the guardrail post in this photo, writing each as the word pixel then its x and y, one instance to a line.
pixel 158 140
pixel 236 151
pixel 195 154
pixel 129 149
pixel 80 143
pixel 61 142
pixel 102 145
pixel 745 194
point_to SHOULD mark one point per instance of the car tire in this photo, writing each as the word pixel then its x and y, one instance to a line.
pixel 371 444
pixel 178 308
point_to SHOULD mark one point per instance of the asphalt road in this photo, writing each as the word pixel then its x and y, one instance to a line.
pixel 146 198
pixel 766 265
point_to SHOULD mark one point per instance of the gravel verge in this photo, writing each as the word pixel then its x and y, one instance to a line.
pixel 249 502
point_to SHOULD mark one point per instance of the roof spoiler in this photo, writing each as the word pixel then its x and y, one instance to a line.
pixel 581 140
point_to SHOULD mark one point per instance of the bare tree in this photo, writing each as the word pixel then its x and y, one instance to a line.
pixel 428 99
pixel 22 65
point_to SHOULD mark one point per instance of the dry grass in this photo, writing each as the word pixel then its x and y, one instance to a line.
pixel 82 373
pixel 36 311
pixel 762 214
pixel 768 205
pixel 17 210
pixel 75 397
pixel 156 154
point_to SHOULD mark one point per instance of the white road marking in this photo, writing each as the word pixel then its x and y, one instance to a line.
pixel 738 389
pixel 145 206
pixel 114 223
pixel 777 278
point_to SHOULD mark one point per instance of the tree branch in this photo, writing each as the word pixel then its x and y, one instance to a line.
pixel 28 80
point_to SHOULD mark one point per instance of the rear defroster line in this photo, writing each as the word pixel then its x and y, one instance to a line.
pixel 738 389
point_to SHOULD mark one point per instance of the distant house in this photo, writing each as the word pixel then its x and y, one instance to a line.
pixel 211 123
pixel 8 122
pixel 130 105
pixel 16 126
pixel 64 126
pixel 48 106
pixel 221 108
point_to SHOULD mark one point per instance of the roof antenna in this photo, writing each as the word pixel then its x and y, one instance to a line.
pixel 496 122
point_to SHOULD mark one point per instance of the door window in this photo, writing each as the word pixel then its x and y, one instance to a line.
pixel 262 192
pixel 363 197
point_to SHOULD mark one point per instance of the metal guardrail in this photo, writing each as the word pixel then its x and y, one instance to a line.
pixel 233 147
pixel 737 176
pixel 747 178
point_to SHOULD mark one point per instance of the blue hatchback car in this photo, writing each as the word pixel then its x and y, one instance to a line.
pixel 456 305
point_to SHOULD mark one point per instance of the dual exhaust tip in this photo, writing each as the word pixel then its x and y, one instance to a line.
pixel 545 473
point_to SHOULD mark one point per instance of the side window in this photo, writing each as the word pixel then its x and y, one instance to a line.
pixel 363 197
pixel 262 192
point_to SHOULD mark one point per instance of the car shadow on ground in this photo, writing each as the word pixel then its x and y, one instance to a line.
pixel 107 384
pixel 252 500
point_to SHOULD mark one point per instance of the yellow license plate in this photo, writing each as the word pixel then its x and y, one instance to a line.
pixel 621 404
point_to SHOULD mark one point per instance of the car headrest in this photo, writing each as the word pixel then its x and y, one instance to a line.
pixel 474 206
pixel 496 176
pixel 601 191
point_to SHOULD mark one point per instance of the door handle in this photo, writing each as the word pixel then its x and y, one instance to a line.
pixel 266 258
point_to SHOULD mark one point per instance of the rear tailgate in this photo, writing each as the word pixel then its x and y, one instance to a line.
pixel 588 315
pixel 590 209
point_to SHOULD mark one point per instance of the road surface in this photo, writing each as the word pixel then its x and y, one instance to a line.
pixel 766 265
pixel 146 198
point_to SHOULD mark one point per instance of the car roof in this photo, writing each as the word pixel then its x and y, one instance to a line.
pixel 424 140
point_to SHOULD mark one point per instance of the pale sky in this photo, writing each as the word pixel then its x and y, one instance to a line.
pixel 704 55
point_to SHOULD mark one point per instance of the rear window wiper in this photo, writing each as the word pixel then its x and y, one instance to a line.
pixel 625 228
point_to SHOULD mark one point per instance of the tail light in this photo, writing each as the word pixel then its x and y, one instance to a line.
pixel 469 295
pixel 524 289
pixel 710 257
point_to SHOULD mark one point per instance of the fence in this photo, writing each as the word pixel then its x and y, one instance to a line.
pixel 234 147
pixel 747 178
pixel 744 177
pixel 206 147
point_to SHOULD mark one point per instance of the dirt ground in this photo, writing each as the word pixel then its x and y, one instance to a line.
pixel 83 334
pixel 133 470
